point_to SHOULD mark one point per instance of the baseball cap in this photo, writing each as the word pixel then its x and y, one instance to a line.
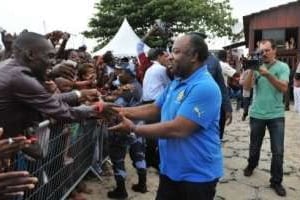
pixel 122 66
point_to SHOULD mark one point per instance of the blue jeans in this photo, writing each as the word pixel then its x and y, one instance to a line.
pixel 257 133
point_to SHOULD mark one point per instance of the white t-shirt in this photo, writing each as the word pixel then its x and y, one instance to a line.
pixel 246 93
pixel 155 81
pixel 227 71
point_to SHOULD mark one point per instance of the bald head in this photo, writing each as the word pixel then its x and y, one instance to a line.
pixel 198 45
pixel 34 51
pixel 188 53
pixel 30 41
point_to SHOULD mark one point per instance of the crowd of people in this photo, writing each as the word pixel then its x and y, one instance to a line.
pixel 168 109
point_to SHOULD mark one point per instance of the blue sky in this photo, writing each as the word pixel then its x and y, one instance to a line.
pixel 73 15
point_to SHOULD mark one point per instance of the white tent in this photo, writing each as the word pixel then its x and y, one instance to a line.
pixel 123 43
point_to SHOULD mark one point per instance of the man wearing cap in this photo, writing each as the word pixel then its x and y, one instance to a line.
pixel 129 95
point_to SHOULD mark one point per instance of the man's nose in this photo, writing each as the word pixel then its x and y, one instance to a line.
pixel 52 62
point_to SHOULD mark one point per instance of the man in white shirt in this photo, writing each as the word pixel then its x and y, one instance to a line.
pixel 156 78
pixel 227 70
pixel 154 83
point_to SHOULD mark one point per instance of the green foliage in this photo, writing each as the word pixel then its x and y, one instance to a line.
pixel 209 16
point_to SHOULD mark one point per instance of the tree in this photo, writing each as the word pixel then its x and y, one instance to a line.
pixel 209 16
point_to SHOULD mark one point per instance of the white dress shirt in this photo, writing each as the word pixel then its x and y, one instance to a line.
pixel 227 71
pixel 155 81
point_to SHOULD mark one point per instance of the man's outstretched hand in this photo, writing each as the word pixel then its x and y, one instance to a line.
pixel 90 95
pixel 15 183
pixel 107 111
pixel 125 126
pixel 10 146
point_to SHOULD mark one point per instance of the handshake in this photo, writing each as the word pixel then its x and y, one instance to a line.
pixel 108 112
pixel 115 116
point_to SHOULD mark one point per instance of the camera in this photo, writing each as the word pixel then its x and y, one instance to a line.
pixel 255 62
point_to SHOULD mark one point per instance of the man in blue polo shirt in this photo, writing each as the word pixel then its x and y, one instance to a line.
pixel 189 108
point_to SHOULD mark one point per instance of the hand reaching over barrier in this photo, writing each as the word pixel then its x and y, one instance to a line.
pixel 14 183
pixel 106 111
pixel 9 146
pixel 90 95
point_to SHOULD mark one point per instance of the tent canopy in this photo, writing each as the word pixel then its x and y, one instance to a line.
pixel 123 43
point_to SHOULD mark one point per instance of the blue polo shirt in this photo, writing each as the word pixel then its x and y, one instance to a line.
pixel 197 157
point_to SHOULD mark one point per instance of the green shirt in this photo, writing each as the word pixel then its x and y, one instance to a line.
pixel 267 100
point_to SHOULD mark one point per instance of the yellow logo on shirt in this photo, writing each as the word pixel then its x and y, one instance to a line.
pixel 180 96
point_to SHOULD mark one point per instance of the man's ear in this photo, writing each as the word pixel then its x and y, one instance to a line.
pixel 29 55
pixel 194 56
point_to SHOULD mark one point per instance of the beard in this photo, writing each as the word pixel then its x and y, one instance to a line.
pixel 176 70
pixel 179 71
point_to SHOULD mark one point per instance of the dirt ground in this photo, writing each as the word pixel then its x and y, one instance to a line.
pixel 233 186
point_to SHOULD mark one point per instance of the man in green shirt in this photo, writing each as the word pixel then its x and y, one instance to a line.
pixel 269 82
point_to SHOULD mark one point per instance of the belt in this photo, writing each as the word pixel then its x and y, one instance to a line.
pixel 148 102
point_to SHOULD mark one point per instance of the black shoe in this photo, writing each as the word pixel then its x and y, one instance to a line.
pixel 244 117
pixel 117 194
pixel 287 108
pixel 139 188
pixel 248 171
pixel 279 189
pixel 120 192
pixel 142 184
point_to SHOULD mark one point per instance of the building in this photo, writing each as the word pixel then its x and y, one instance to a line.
pixel 281 23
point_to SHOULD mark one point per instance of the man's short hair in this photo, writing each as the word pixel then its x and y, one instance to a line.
pixel 273 43
pixel 222 55
pixel 155 52
pixel 27 40
pixel 108 57
pixel 82 48
pixel 198 46
pixel 124 59
pixel 201 34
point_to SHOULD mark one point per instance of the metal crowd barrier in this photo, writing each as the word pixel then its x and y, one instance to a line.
pixel 70 151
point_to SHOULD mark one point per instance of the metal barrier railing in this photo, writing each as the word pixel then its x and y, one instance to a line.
pixel 69 151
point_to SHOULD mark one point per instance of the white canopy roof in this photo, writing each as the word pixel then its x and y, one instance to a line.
pixel 123 43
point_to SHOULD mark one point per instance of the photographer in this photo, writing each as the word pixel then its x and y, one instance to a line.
pixel 270 82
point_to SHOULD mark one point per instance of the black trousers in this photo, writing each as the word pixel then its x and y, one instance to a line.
pixel 183 190
pixel 222 122
pixel 151 153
